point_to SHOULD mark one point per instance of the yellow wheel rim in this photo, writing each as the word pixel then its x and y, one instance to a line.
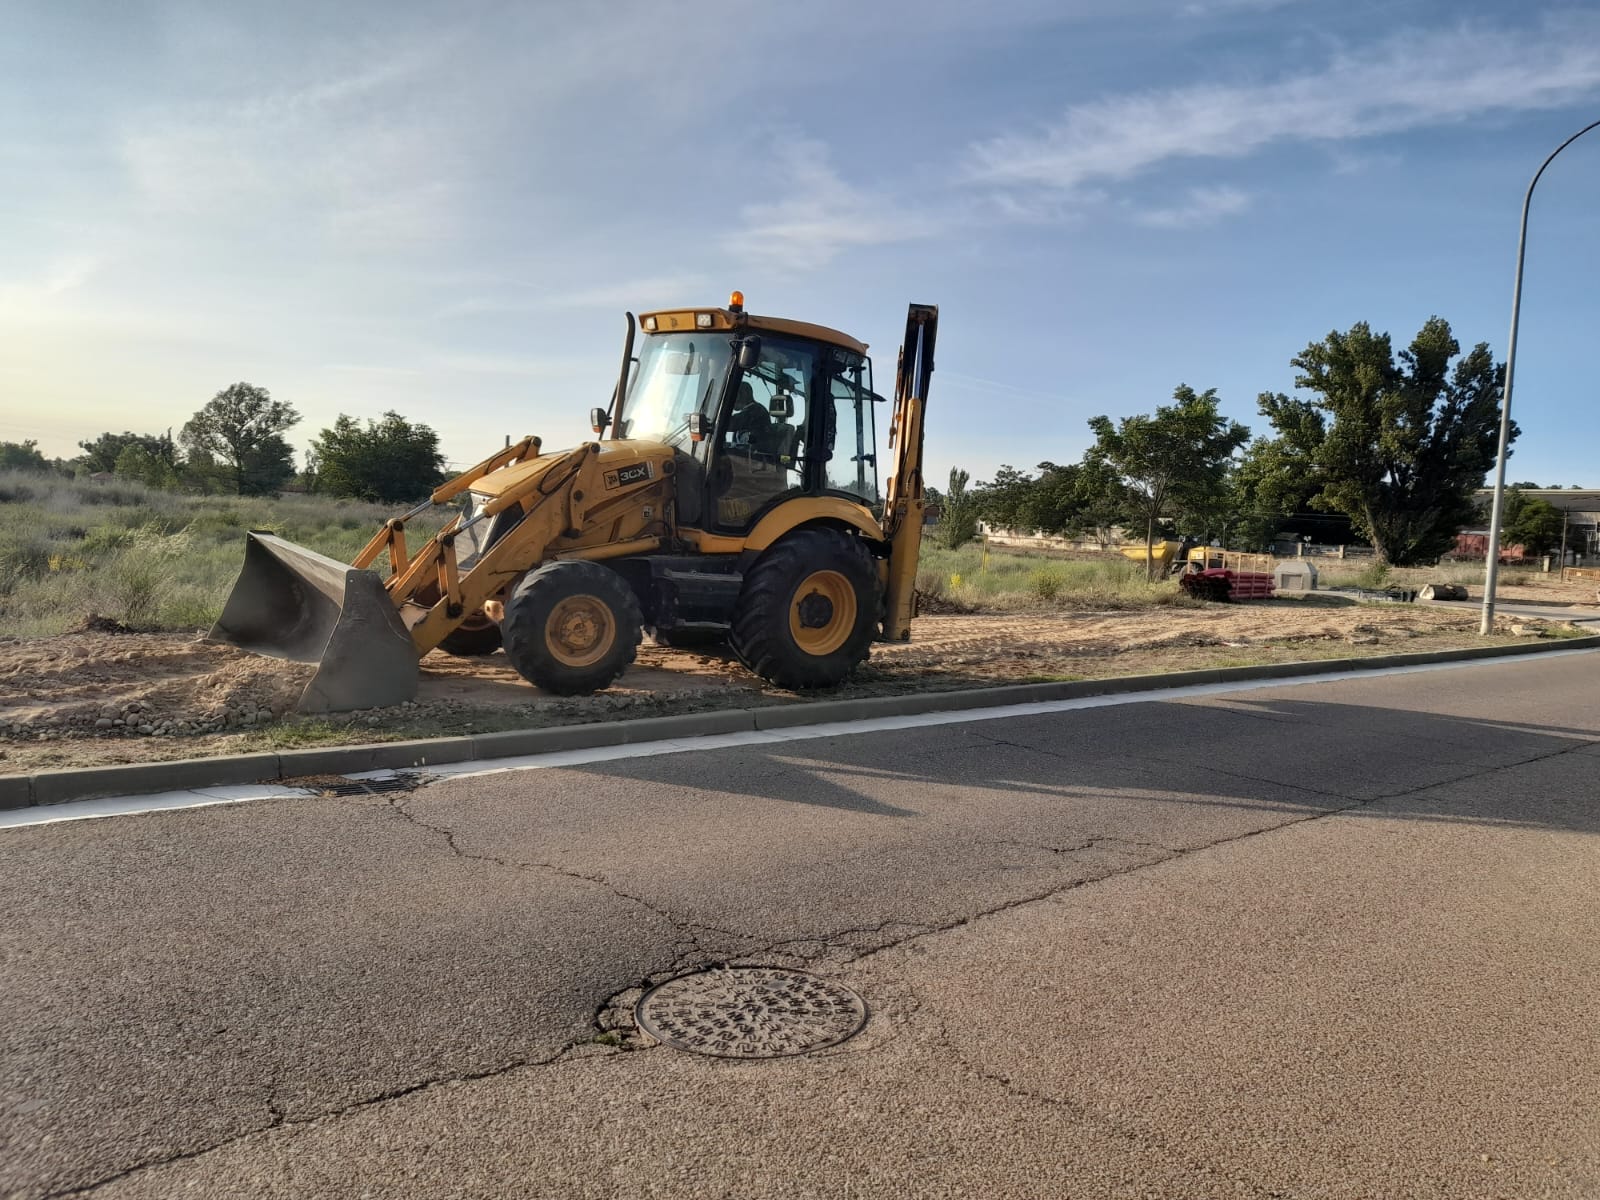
pixel 822 613
pixel 580 631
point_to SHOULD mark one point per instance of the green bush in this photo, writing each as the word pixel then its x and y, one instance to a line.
pixel 1046 583
pixel 23 557
pixel 1375 577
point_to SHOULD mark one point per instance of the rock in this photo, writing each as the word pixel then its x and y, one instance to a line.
pixel 103 723
pixel 147 729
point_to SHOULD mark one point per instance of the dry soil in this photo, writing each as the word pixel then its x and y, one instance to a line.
pixel 100 696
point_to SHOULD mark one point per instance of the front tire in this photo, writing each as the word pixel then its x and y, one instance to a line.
pixel 571 627
pixel 807 610
pixel 474 637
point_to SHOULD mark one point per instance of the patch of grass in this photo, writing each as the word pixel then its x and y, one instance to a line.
pixel 152 559
pixel 1374 578
pixel 1020 579
pixel 1046 583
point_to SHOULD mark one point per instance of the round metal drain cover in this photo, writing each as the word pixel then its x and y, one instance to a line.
pixel 750 1012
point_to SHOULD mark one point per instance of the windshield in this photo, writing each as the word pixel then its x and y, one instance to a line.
pixel 679 374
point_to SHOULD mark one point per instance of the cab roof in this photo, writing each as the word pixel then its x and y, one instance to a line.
pixel 675 320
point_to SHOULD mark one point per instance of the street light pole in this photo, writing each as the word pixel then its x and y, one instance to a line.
pixel 1492 558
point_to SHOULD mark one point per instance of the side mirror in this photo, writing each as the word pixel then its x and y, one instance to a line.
pixel 599 418
pixel 698 427
pixel 749 353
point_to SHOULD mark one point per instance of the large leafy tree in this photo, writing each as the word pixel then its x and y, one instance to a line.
pixel 1005 500
pixel 1277 477
pixel 137 462
pixel 1050 502
pixel 1399 442
pixel 1169 463
pixel 103 452
pixel 22 456
pixel 1534 524
pixel 243 426
pixel 391 460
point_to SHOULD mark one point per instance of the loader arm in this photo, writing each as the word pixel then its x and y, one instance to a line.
pixel 904 502
pixel 433 593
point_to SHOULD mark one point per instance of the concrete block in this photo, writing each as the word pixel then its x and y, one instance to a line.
pixel 16 791
pixel 132 779
pixel 375 756
pixel 515 742
pixel 687 725
pixel 825 712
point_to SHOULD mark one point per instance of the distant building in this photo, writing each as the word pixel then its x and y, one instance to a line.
pixel 1581 505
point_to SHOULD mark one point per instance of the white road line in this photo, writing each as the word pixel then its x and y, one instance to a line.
pixel 120 806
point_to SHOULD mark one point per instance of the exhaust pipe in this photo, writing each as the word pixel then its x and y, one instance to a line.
pixel 296 604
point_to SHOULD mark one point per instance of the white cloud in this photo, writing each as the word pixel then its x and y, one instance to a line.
pixel 818 215
pixel 348 153
pixel 1408 82
pixel 1201 206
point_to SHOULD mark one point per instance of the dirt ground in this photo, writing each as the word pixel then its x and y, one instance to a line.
pixel 96 697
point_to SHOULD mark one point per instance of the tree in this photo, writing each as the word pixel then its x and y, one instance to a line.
pixel 388 461
pixel 242 425
pixel 22 456
pixel 1173 462
pixel 1005 500
pixel 958 519
pixel 1535 525
pixel 1101 500
pixel 267 466
pixel 137 462
pixel 102 453
pixel 1404 444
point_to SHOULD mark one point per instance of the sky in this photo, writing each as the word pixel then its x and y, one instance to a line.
pixel 445 209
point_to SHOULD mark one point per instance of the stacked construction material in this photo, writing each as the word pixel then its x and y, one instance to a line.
pixel 1219 584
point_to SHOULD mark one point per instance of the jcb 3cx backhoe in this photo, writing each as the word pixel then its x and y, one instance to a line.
pixel 733 495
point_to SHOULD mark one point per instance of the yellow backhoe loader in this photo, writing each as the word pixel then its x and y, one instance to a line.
pixel 733 496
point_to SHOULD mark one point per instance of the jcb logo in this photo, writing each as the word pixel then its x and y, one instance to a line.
pixel 622 476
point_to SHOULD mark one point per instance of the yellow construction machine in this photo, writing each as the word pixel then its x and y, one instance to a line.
pixel 733 495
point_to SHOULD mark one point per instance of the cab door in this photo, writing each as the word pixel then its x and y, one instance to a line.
pixel 764 434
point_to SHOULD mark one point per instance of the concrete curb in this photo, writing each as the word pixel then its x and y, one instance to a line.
pixel 85 783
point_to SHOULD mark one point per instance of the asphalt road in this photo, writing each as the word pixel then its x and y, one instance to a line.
pixel 1337 939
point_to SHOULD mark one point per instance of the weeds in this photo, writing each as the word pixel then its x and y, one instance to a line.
pixel 1046 583
pixel 961 580
pixel 151 559
pixel 1374 578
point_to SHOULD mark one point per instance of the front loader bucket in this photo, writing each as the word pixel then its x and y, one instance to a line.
pixel 290 602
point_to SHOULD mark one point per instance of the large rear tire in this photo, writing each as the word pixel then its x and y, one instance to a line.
pixel 807 610
pixel 571 627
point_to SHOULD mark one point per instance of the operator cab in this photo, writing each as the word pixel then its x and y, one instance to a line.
pixel 758 410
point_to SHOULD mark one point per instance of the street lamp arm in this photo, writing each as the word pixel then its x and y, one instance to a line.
pixel 1491 569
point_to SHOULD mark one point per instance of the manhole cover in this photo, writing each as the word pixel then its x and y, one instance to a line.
pixel 750 1012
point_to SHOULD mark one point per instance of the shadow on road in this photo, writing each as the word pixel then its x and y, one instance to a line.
pixel 1270 754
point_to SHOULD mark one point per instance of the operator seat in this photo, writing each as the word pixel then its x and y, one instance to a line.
pixel 782 439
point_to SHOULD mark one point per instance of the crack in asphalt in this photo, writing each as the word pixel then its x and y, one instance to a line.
pixel 283 1121
pixel 684 926
pixel 699 956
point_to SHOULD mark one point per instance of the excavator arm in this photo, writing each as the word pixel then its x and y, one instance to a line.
pixel 904 503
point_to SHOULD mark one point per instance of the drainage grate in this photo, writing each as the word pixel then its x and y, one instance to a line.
pixel 340 786
pixel 750 1012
